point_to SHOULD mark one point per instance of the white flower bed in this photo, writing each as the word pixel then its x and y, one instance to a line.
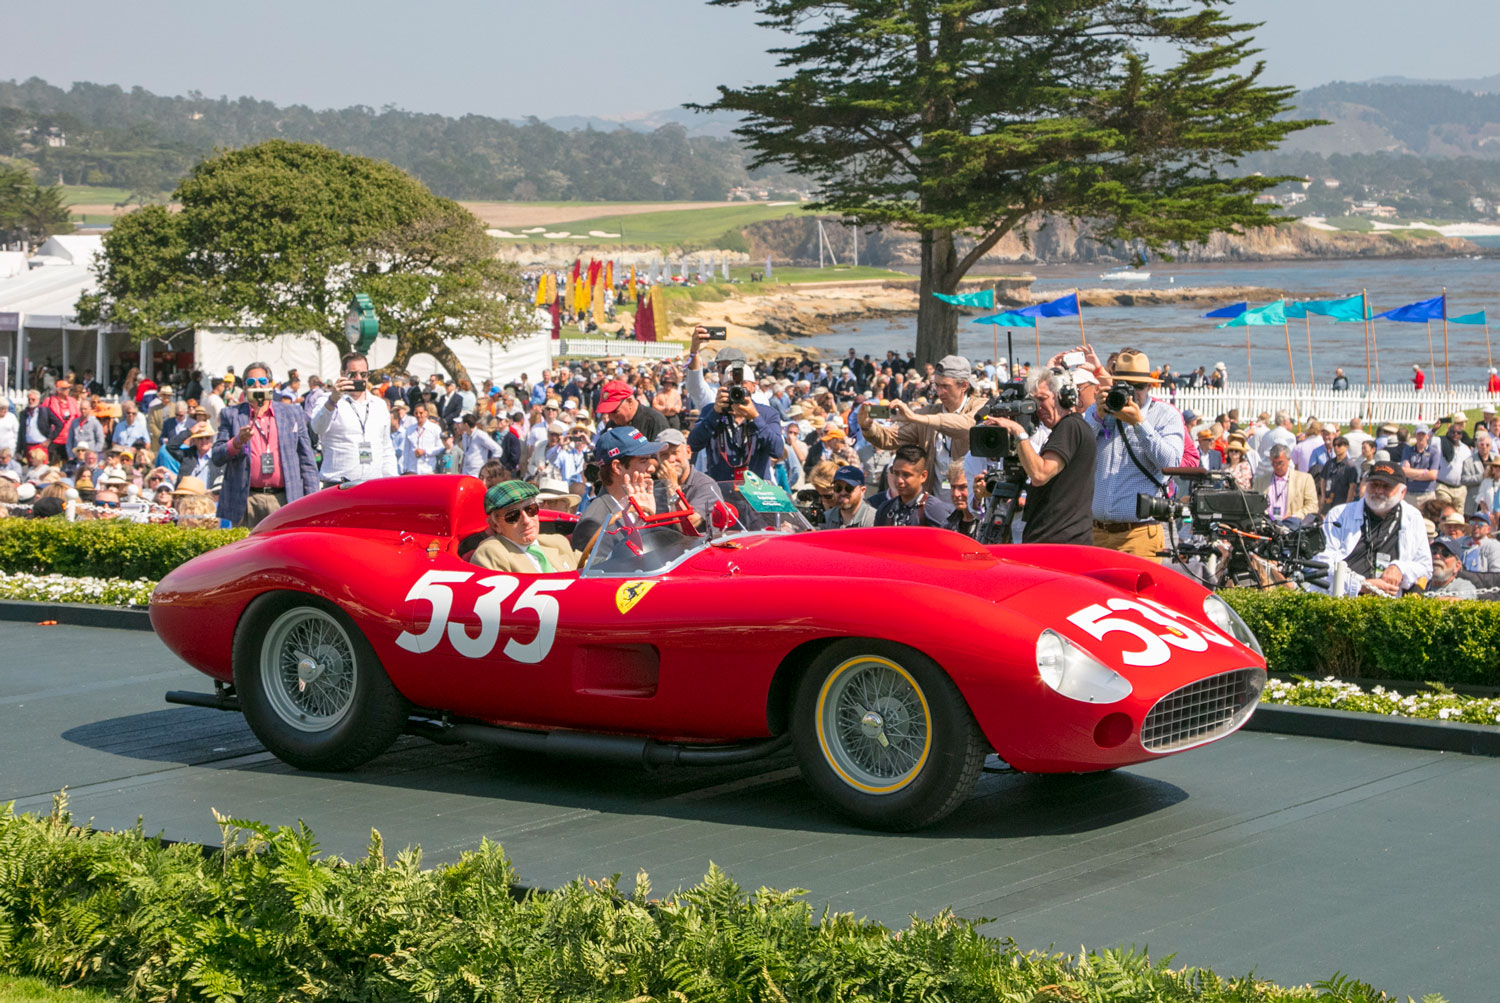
pixel 61 588
pixel 1437 703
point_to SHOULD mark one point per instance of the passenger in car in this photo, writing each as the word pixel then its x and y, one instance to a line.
pixel 514 544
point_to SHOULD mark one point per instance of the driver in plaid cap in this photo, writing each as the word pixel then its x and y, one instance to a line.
pixel 515 543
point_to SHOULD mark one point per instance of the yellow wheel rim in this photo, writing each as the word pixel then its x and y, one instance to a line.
pixel 874 724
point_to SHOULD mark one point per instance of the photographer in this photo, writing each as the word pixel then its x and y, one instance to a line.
pixel 1135 437
pixel 1060 492
pixel 941 430
pixel 737 435
pixel 353 428
pixel 1379 538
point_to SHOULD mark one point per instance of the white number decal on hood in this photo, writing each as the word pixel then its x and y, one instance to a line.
pixel 1100 620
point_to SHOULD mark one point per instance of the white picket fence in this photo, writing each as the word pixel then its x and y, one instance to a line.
pixel 618 348
pixel 1404 405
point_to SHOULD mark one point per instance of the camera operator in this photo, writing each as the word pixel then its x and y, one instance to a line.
pixel 941 430
pixel 736 434
pixel 1135 437
pixel 1379 538
pixel 1060 478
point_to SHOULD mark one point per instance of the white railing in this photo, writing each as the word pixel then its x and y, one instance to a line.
pixel 619 348
pixel 1401 404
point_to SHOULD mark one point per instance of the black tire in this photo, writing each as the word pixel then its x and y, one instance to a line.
pixel 909 765
pixel 334 708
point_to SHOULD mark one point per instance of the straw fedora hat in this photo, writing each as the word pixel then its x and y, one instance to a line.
pixel 1132 366
pixel 190 485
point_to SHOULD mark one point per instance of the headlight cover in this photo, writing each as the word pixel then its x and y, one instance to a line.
pixel 1075 673
pixel 1223 616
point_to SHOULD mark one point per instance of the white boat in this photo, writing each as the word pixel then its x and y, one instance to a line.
pixel 1125 273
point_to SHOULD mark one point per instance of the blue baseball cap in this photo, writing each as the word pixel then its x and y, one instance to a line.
pixel 850 474
pixel 622 442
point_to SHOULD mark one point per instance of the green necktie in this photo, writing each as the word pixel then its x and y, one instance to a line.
pixel 540 557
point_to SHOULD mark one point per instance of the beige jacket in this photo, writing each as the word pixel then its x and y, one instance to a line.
pixel 499 554
pixel 923 430
pixel 1301 492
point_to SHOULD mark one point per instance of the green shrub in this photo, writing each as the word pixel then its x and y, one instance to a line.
pixel 103 549
pixel 1368 637
pixel 266 919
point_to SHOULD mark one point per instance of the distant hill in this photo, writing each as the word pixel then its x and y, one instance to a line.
pixel 1477 85
pixel 1426 119
pixel 712 126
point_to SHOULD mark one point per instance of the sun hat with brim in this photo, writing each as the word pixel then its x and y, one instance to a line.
pixel 1454 519
pixel 112 478
pixel 189 485
pixel 508 494
pixel 1133 367
pixel 202 430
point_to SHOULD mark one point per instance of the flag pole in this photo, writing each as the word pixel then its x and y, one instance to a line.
pixel 1296 397
pixel 1248 377
pixel 1447 386
pixel 1364 312
pixel 1431 358
pixel 1081 333
pixel 1487 352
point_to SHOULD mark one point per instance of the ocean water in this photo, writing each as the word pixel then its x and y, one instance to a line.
pixel 1180 335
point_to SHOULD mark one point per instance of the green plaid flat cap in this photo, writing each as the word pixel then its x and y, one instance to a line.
pixel 508 493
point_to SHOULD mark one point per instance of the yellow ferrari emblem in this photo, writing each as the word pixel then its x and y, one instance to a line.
pixel 631 593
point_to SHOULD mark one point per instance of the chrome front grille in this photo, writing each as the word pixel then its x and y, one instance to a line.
pixel 1203 711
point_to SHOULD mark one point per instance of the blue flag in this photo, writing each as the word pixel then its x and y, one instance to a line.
pixel 984 299
pixel 1063 306
pixel 1271 313
pixel 1416 313
pixel 1232 310
pixel 1010 318
pixel 1470 318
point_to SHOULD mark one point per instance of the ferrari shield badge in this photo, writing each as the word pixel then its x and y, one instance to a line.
pixel 631 593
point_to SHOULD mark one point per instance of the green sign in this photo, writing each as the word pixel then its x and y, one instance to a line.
pixel 361 326
pixel 765 496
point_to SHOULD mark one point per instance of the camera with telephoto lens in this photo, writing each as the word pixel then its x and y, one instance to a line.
pixel 991 443
pixel 1118 398
pixel 737 392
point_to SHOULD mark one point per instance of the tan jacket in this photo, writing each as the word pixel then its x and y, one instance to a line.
pixel 1301 492
pixel 499 554
pixel 930 422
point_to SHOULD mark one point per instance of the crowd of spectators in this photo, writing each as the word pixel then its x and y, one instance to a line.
pixel 859 442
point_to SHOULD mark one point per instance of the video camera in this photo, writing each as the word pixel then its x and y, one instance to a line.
pixel 1240 542
pixel 991 443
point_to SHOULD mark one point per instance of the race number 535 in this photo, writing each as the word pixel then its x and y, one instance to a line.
pixel 1103 620
pixel 435 588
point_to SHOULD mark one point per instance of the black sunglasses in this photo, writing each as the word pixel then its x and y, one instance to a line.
pixel 845 489
pixel 513 517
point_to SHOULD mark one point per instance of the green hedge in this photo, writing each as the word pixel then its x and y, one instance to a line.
pixel 267 920
pixel 103 549
pixel 1456 643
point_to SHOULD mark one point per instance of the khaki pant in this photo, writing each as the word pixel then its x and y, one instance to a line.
pixel 1142 540
pixel 260 505
pixel 1453 495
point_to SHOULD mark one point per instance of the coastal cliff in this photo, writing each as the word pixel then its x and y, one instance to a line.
pixel 1059 240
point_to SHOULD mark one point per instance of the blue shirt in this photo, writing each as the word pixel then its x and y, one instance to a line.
pixel 1430 458
pixel 1157 441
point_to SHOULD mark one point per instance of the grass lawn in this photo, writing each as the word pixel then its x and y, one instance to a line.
pixel 22 989
pixel 1357 223
pixel 841 273
pixel 670 228
pixel 91 195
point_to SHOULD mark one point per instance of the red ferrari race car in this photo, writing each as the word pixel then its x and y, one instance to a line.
pixel 893 661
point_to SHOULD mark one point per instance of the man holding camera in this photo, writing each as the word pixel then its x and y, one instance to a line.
pixel 352 427
pixel 1136 437
pixel 941 430
pixel 1060 478
pixel 737 435
pixel 263 449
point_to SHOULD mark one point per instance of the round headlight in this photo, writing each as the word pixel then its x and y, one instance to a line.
pixel 1076 674
pixel 1223 616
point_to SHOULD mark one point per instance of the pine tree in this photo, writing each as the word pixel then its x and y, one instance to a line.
pixel 963 120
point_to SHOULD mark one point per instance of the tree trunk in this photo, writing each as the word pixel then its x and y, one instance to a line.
pixel 434 346
pixel 937 322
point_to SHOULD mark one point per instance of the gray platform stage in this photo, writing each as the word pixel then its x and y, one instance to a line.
pixel 1293 857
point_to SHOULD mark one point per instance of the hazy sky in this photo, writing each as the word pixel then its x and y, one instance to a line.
pixel 605 57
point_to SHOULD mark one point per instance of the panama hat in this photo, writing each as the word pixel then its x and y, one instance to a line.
pixel 1132 366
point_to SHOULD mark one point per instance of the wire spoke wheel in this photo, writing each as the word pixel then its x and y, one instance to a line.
pixel 874 724
pixel 308 670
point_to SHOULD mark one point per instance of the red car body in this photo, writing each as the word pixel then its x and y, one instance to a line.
pixel 709 651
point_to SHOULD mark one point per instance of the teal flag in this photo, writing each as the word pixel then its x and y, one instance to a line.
pixel 984 299
pixel 1348 308
pixel 1010 318
pixel 1271 313
pixel 1469 318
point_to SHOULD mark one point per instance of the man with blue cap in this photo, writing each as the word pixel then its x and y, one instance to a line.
pixel 515 544
pixel 625 459
pixel 850 510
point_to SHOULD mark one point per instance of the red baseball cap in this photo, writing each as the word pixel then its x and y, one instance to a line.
pixel 612 395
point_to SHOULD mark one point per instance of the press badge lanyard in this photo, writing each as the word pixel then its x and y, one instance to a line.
pixel 267 460
pixel 366 451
